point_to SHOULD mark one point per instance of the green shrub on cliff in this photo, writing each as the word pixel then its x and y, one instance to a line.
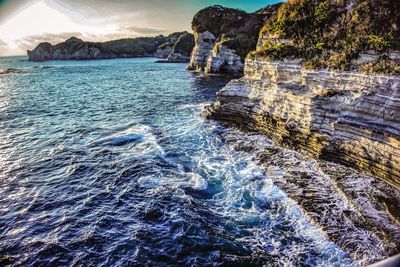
pixel 332 33
pixel 378 43
pixel 383 65
pixel 276 51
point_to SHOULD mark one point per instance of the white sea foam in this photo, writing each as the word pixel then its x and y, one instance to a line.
pixel 199 183
pixel 198 106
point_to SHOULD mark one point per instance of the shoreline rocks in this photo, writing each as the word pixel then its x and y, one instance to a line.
pixel 180 52
pixel 356 211
pixel 295 92
pixel 345 117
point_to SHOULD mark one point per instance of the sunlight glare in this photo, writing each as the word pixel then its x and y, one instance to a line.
pixel 39 18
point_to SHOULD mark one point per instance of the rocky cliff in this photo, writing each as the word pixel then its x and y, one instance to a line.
pixel 342 106
pixel 350 117
pixel 223 37
pixel 362 35
pixel 74 48
pixel 345 117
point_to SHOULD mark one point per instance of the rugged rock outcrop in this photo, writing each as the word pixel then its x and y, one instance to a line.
pixel 164 50
pixel 223 37
pixel 356 211
pixel 349 35
pixel 74 48
pixel 349 118
pixel 346 117
pixel 331 93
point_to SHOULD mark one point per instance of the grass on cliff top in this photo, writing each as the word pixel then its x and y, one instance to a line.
pixel 332 33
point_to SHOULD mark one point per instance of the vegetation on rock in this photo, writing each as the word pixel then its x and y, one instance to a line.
pixel 233 28
pixel 332 33
pixel 75 48
pixel 184 44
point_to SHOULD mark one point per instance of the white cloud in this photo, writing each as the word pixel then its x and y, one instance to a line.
pixel 40 19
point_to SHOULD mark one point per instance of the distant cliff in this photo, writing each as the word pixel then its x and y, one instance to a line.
pixel 224 37
pixel 77 49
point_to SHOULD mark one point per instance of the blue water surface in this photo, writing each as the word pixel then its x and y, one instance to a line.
pixel 111 163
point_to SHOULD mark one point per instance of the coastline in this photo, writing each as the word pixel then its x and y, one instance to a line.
pixel 345 124
pixel 346 204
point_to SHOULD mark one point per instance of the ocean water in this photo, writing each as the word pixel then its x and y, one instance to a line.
pixel 111 163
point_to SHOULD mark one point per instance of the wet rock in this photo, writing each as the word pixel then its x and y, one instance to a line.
pixel 356 211
pixel 345 117
pixel 11 71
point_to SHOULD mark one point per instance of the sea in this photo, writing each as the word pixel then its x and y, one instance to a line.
pixel 113 163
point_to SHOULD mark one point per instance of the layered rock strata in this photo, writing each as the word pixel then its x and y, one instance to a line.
pixel 346 117
pixel 342 117
pixel 356 211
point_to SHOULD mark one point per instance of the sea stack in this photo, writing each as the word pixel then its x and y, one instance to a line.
pixel 223 37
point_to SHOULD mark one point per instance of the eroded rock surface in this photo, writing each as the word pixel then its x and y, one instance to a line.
pixel 224 37
pixel 357 211
pixel 343 117
pixel 181 50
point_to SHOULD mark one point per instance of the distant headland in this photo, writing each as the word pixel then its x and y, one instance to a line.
pixel 175 47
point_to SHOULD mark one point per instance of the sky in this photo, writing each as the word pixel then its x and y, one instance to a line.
pixel 26 23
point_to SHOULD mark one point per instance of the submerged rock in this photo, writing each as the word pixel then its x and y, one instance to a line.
pixel 11 71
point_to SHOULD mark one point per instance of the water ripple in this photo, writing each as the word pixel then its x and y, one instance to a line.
pixel 110 163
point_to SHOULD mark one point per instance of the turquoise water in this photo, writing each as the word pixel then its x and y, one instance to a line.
pixel 111 163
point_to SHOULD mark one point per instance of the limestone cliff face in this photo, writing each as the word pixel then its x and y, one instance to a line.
pixel 346 117
pixel 181 49
pixel 349 118
pixel 223 37
pixel 163 51
pixel 317 98
pixel 76 49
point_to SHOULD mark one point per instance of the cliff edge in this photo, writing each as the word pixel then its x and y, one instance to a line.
pixel 324 81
